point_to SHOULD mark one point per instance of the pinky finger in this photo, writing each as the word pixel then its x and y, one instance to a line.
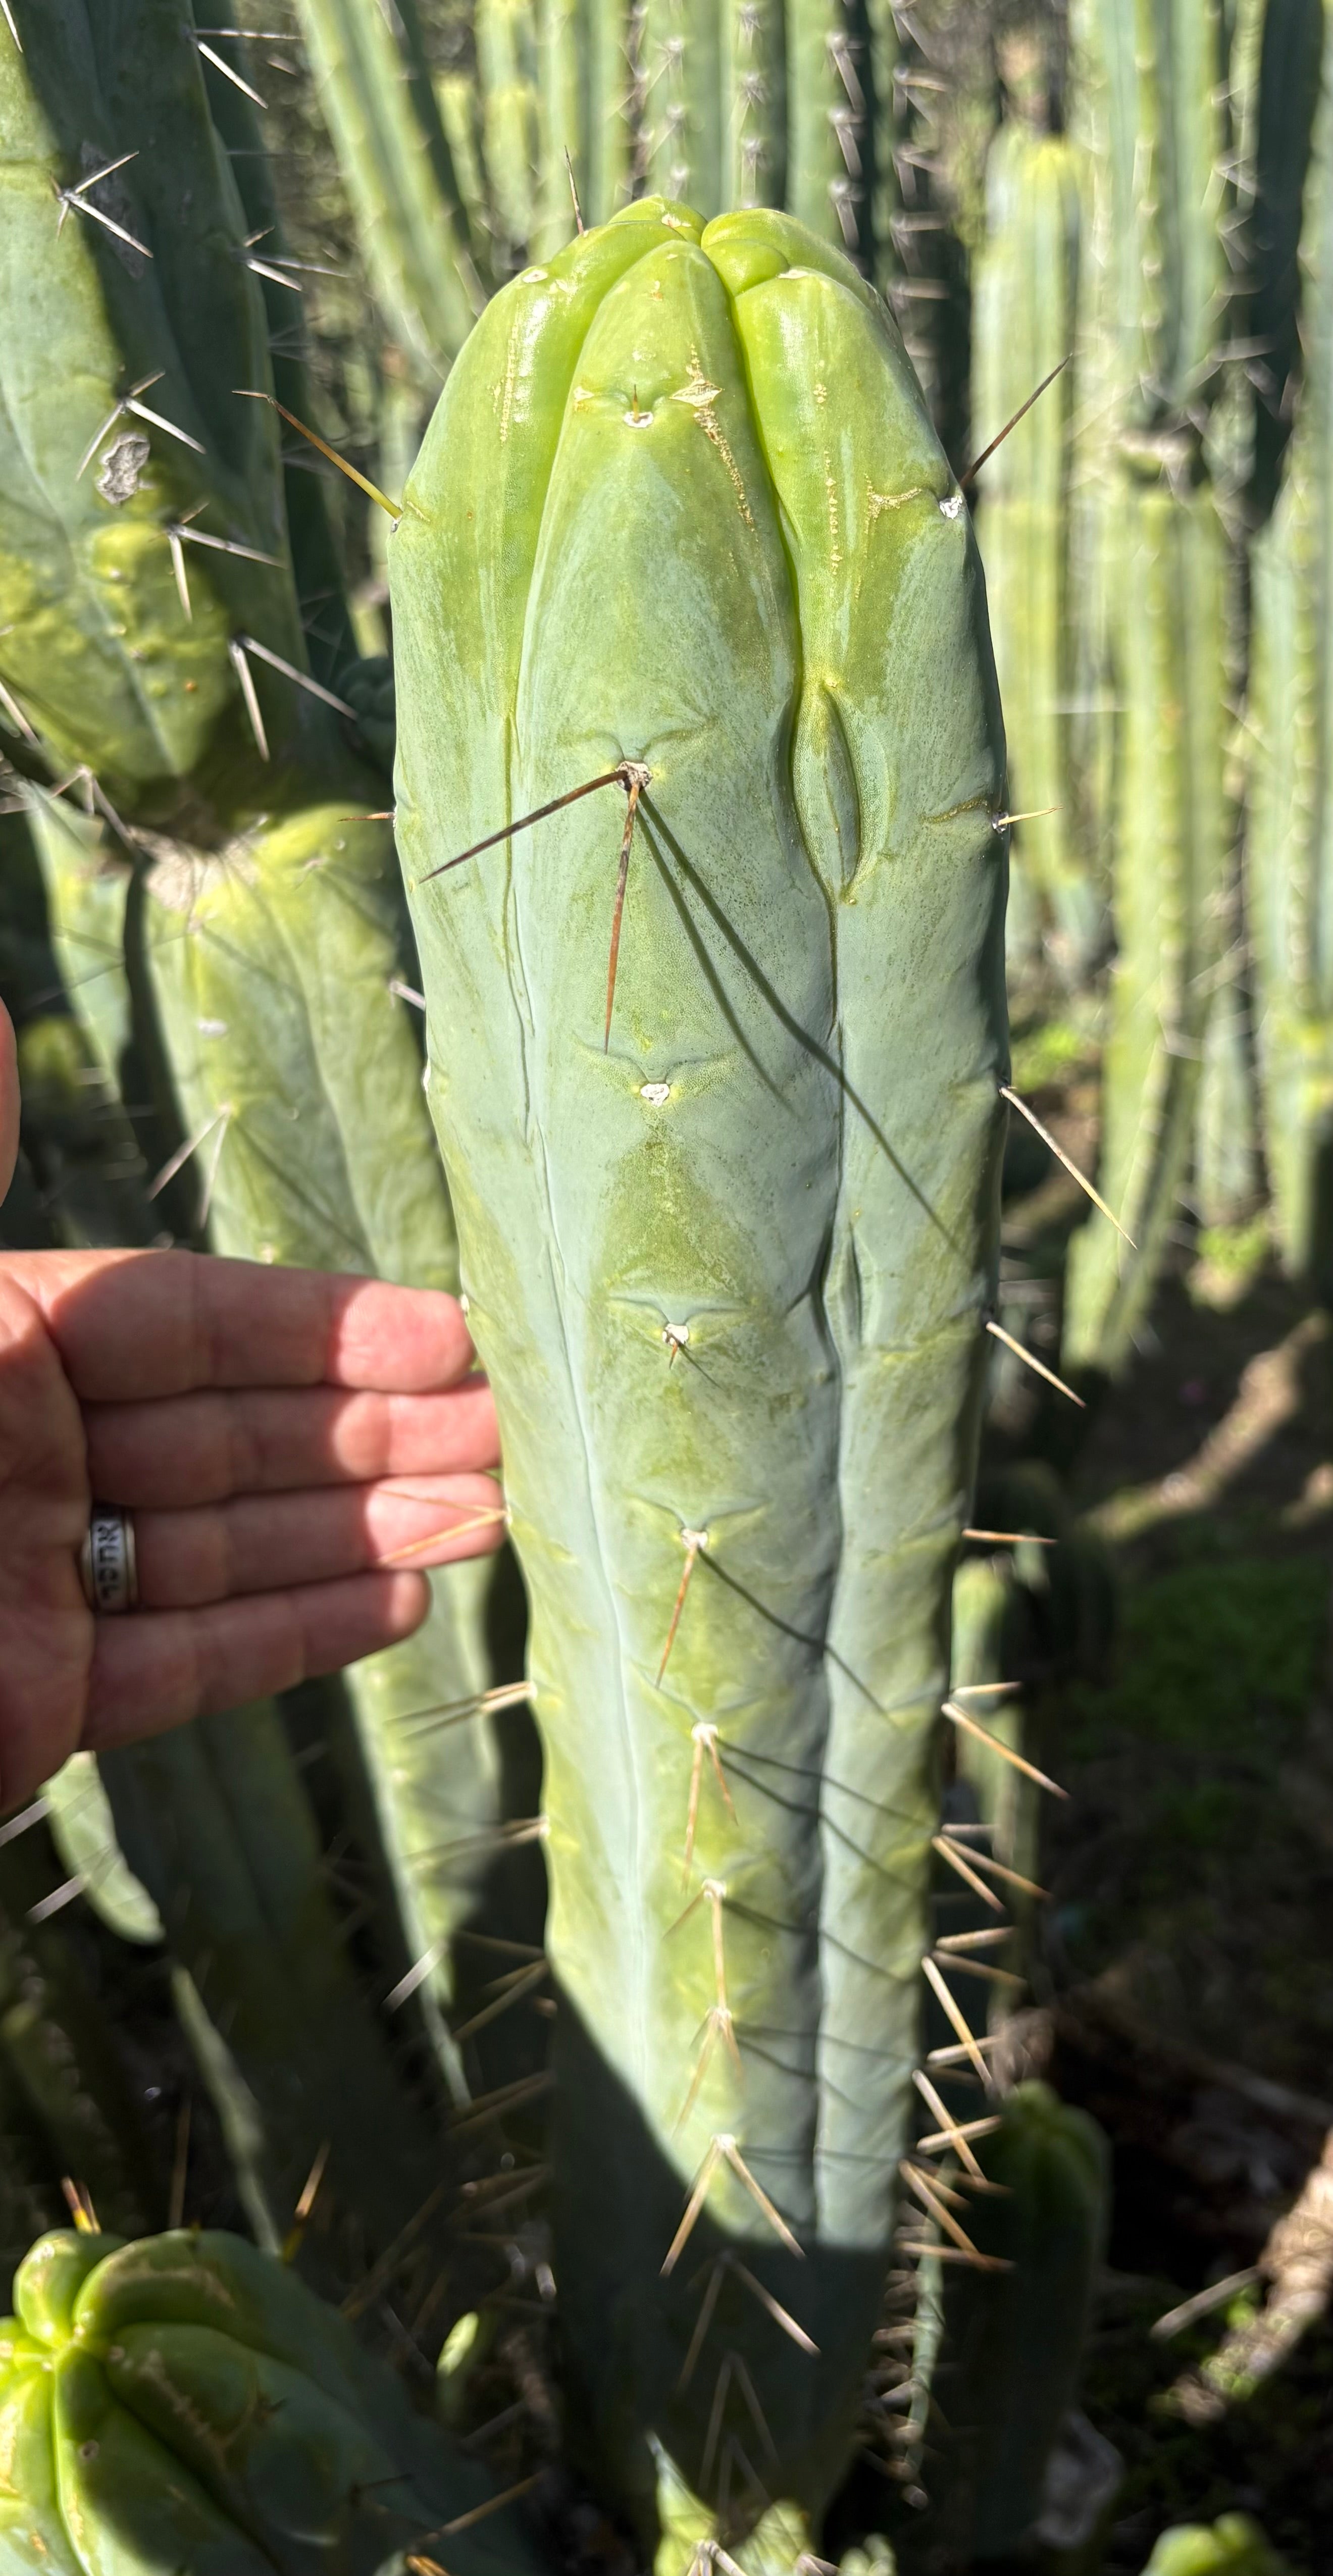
pixel 156 1669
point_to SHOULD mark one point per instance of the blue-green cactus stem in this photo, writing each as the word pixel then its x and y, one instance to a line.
pixel 588 110
pixel 1024 304
pixel 1289 849
pixel 723 1263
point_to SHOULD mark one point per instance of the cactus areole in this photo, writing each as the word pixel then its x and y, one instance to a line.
pixel 681 509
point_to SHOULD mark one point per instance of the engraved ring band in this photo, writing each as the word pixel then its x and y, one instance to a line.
pixel 107 1567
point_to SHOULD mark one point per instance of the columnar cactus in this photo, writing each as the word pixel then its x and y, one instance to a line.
pixel 1156 116
pixel 375 89
pixel 728 1234
pixel 1013 2335
pixel 1290 842
pixel 1025 299
pixel 741 105
pixel 1169 568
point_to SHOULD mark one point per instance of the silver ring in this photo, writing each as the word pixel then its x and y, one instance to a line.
pixel 108 1568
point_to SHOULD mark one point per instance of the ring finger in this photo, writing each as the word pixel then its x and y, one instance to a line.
pixel 264 1543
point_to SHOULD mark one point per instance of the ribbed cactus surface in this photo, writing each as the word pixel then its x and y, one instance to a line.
pixel 1024 309
pixel 182 2402
pixel 728 1256
pixel 1290 735
pixel 1156 116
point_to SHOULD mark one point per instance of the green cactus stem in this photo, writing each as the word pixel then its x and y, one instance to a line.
pixel 376 97
pixel 1173 833
pixel 1024 306
pixel 1289 849
pixel 1013 2334
pixel 182 2401
pixel 214 1822
pixel 1234 2545
pixel 1157 299
pixel 723 1256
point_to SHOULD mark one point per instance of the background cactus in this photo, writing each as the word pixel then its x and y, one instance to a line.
pixel 615 1205
pixel 1025 304
pixel 1013 2335
pixel 183 2401
pixel 1291 821
pixel 1158 118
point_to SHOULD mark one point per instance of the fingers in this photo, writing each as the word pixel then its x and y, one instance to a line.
pixel 192 1449
pixel 152 1671
pixel 267 1543
pixel 131 1325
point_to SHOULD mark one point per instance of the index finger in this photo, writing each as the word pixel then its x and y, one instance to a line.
pixel 132 1325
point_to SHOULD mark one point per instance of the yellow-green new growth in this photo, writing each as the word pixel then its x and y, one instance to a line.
pixel 681 507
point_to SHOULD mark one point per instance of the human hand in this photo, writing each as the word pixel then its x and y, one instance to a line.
pixel 293 1447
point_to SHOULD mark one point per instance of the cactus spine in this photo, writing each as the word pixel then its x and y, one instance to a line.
pixel 782 1167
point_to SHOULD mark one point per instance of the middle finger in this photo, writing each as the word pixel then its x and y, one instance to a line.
pixel 188 1449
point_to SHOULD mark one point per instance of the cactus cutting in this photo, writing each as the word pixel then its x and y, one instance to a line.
pixel 769 2023
pixel 650 412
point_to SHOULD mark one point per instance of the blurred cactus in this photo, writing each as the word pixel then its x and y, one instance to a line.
pixel 1013 2335
pixel 182 2402
pixel 747 106
pixel 375 90
pixel 1159 124
pixel 1026 296
pixel 1290 845
pixel 1232 2546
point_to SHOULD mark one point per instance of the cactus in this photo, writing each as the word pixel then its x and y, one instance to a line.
pixel 753 1246
pixel 1231 2546
pixel 1172 835
pixel 181 2401
pixel 1013 2335
pixel 741 105
pixel 375 90
pixel 1158 121
pixel 1026 289
pixel 1290 841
